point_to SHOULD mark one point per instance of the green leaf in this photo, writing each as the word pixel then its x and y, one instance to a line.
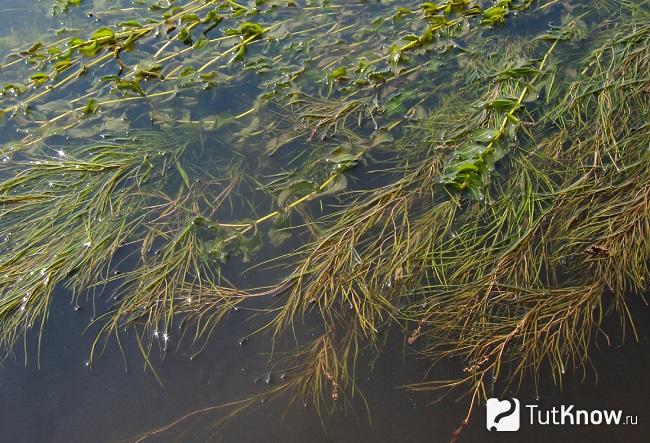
pixel 104 34
pixel 337 185
pixel 89 49
pixel 494 15
pixel 34 48
pixel 212 20
pixel 280 232
pixel 13 87
pixel 91 107
pixel 470 151
pixel 130 24
pixel 201 43
pixel 501 104
pixel 62 65
pixel 40 77
pixel 247 29
pixel 338 74
pixel 241 53
pixel 295 191
pixel 342 156
pixel 486 135
pixel 61 6
pixel 517 72
pixel 248 245
pixel 129 86
pixel 185 36
pixel 188 19
pixel 467 175
pixel 148 71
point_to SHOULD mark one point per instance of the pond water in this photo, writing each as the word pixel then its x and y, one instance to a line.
pixel 51 391
pixel 65 401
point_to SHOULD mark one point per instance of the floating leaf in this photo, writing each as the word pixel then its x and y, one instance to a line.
pixel 39 78
pixel 129 86
pixel 338 74
pixel 189 19
pixel 34 48
pixel 185 36
pixel 130 24
pixel 246 246
pixel 518 72
pixel 295 191
pixel 470 150
pixel 13 87
pixel 466 175
pixel 342 158
pixel 62 65
pixel 241 53
pixel 91 107
pixel 280 232
pixel 148 71
pixel 277 142
pixel 494 15
pixel 336 186
pixel 61 6
pixel 486 135
pixel 201 43
pixel 89 49
pixel 501 104
pixel 212 19
pixel 104 34
pixel 247 29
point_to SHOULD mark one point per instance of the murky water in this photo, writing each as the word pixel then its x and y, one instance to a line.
pixel 106 403
pixel 58 397
pixel 66 401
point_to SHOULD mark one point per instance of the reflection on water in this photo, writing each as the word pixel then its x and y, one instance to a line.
pixel 59 397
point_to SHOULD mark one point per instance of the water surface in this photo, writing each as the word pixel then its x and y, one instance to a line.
pixel 58 397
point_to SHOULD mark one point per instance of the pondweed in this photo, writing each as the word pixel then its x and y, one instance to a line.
pixel 507 216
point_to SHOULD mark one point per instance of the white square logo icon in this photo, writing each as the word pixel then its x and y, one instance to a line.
pixel 502 415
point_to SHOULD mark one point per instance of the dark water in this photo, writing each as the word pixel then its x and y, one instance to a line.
pixel 59 398
pixel 66 401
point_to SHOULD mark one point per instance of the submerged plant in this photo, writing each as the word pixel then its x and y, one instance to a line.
pixel 509 217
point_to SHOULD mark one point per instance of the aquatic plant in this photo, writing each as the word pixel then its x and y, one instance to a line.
pixel 509 217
